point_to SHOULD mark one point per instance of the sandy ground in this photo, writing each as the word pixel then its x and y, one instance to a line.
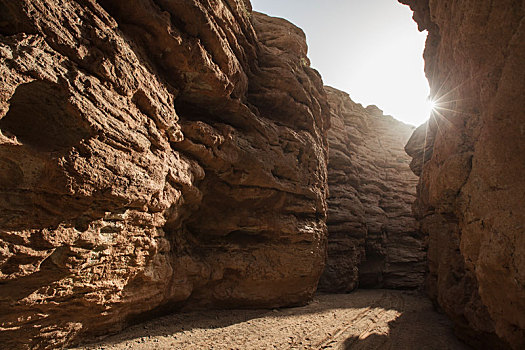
pixel 365 319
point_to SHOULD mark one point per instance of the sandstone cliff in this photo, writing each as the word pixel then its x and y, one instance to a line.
pixel 153 154
pixel 471 162
pixel 373 238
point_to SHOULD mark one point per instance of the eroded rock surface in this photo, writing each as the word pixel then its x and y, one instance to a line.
pixel 471 162
pixel 374 241
pixel 153 154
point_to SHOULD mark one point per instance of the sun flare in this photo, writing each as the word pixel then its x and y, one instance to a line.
pixel 432 105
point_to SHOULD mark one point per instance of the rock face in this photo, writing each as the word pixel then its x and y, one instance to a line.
pixel 374 241
pixel 153 154
pixel 471 162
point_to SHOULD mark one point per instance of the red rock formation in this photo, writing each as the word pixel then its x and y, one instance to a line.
pixel 153 153
pixel 373 239
pixel 472 191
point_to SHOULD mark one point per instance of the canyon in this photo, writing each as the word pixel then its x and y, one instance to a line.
pixel 162 156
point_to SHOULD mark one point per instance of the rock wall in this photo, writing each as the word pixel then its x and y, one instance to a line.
pixel 373 237
pixel 471 159
pixel 154 154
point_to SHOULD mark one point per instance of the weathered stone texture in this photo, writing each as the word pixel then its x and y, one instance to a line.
pixel 153 154
pixel 471 195
pixel 374 241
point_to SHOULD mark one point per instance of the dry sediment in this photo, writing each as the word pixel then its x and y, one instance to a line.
pixel 365 319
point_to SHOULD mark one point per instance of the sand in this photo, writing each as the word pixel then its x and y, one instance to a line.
pixel 365 319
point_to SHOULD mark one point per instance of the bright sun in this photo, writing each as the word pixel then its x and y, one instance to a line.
pixel 430 107
pixel 432 104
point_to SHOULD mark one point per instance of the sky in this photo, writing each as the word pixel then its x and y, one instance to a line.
pixel 369 48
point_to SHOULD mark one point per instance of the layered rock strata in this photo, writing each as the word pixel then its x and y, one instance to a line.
pixel 153 154
pixel 471 159
pixel 373 241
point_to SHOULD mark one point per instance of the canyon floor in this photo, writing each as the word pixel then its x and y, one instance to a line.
pixel 365 319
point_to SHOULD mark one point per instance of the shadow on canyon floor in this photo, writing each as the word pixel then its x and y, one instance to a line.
pixel 411 330
pixel 365 319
